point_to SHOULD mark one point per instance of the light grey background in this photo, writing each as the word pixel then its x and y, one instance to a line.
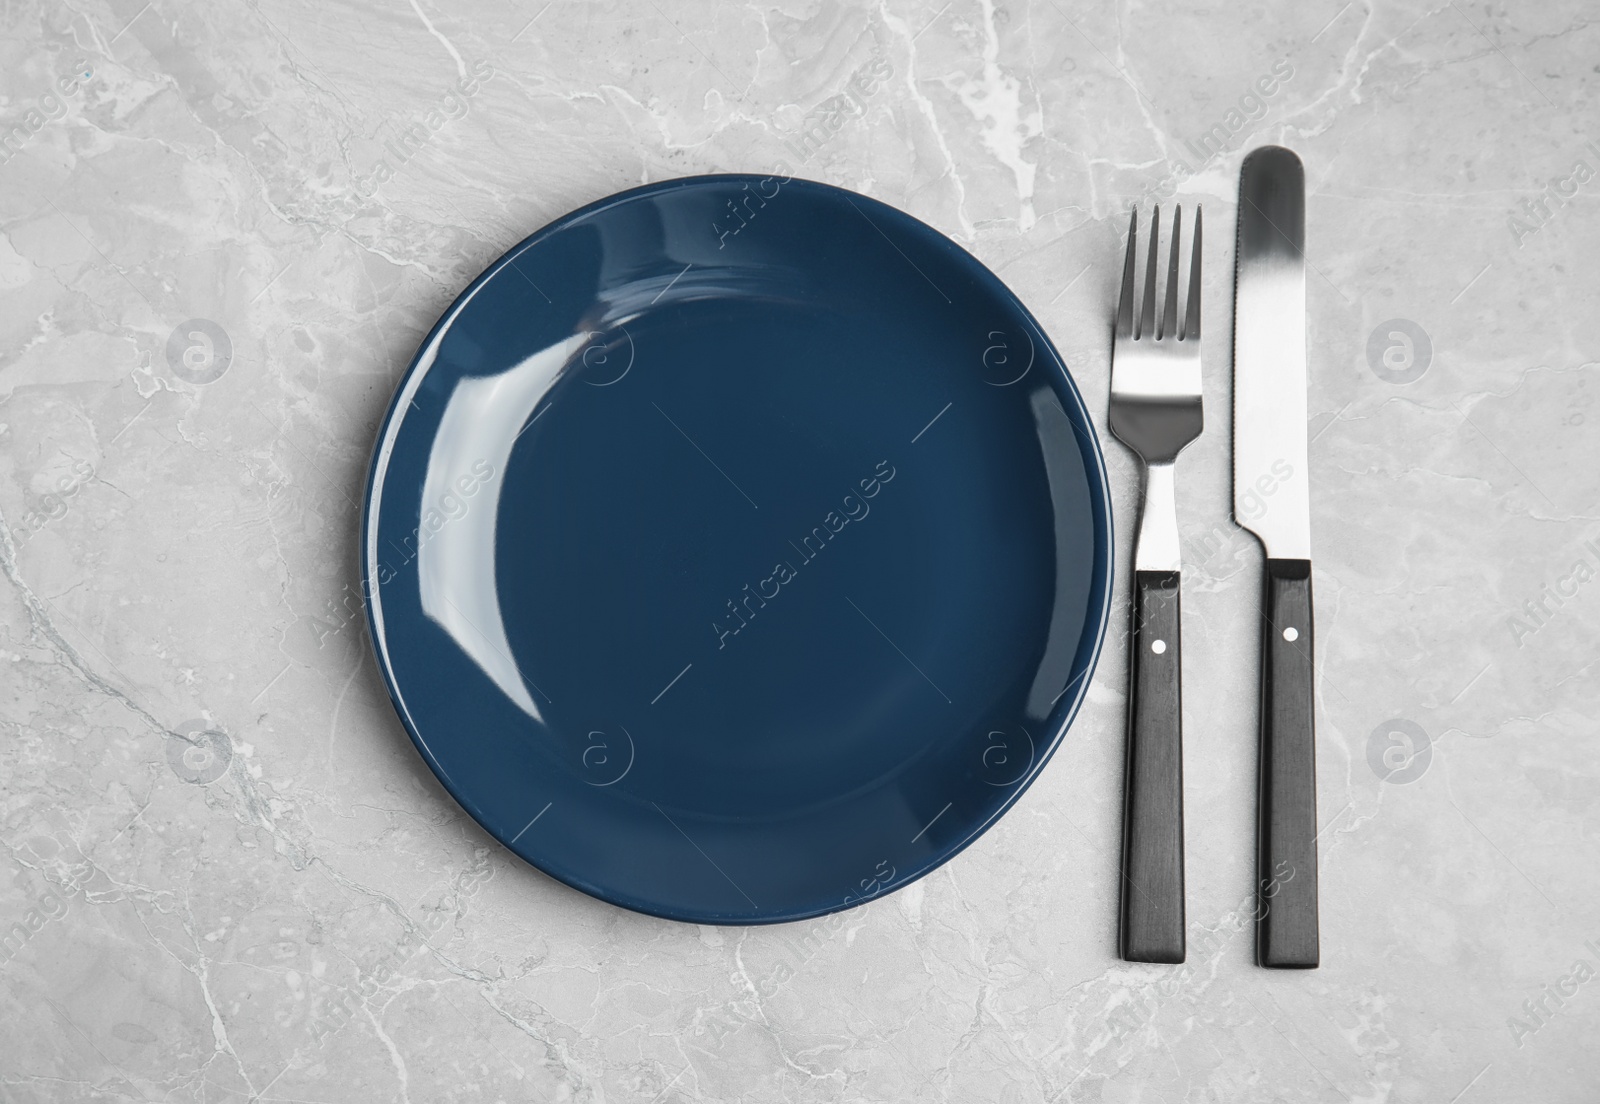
pixel 178 554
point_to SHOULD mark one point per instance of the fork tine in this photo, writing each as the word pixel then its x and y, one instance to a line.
pixel 1147 316
pixel 1125 304
pixel 1169 313
pixel 1191 317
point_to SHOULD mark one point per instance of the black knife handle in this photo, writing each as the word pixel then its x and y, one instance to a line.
pixel 1152 838
pixel 1286 926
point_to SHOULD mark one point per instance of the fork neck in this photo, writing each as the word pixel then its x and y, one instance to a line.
pixel 1157 545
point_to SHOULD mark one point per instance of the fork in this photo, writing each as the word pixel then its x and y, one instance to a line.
pixel 1155 411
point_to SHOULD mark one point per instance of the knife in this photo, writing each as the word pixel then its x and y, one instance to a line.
pixel 1272 498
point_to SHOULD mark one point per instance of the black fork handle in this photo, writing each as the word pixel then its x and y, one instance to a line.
pixel 1152 842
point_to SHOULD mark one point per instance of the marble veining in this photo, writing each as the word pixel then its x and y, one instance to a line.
pixel 224 230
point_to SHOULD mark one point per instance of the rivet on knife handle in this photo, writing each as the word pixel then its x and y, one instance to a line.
pixel 1271 497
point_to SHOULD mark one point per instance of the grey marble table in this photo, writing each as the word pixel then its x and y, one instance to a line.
pixel 223 230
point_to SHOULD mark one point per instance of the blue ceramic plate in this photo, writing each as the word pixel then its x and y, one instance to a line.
pixel 738 549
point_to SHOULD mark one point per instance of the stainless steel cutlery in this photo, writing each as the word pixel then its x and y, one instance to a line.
pixel 1269 451
pixel 1155 411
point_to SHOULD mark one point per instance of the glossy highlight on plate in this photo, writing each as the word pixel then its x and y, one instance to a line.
pixel 737 577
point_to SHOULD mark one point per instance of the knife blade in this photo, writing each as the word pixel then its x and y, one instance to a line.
pixel 1272 499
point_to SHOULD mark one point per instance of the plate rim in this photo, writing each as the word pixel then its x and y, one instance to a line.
pixel 1061 382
